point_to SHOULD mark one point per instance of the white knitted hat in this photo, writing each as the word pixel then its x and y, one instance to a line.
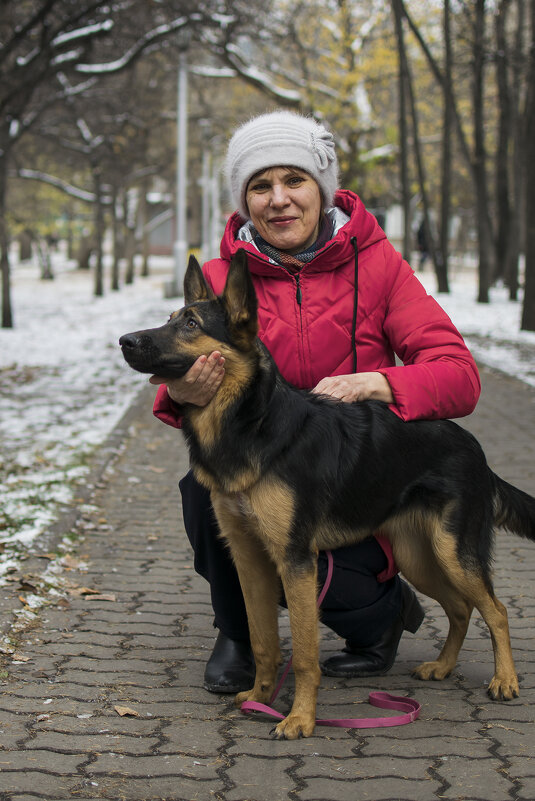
pixel 281 139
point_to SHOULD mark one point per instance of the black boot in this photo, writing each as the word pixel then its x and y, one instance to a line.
pixel 377 659
pixel 231 667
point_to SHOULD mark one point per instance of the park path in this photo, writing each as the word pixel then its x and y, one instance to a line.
pixel 133 629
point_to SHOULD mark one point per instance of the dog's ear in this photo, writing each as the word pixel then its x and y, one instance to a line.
pixel 239 299
pixel 195 287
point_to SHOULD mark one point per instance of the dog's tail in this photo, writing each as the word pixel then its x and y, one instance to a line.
pixel 514 509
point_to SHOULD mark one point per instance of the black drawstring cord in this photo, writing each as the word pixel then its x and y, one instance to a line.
pixel 355 304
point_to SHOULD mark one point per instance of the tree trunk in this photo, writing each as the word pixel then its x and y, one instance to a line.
pixel 85 251
pixel 116 245
pixel 129 228
pixel 476 165
pixel 528 310
pixel 43 255
pixel 445 193
pixel 99 232
pixel 503 160
pixel 484 230
pixel 7 312
pixel 403 133
pixel 25 245
pixel 518 60
pixel 130 256
pixel 441 278
pixel 145 236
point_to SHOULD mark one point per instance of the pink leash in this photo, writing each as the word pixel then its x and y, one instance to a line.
pixel 408 706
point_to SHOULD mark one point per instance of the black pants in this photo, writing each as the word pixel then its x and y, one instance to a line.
pixel 357 607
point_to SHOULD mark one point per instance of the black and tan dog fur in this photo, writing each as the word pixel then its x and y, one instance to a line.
pixel 291 473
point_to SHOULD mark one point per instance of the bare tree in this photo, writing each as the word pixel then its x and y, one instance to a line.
pixel 505 121
pixel 528 311
pixel 43 39
pixel 509 158
pixel 484 227
pixel 447 125
pixel 403 84
pixel 407 90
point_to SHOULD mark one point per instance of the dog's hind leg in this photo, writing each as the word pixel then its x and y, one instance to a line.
pixel 458 611
pixel 416 557
pixel 435 569
pixel 476 590
pixel 504 684
pixel 300 589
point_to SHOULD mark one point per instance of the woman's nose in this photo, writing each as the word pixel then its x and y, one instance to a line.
pixel 279 195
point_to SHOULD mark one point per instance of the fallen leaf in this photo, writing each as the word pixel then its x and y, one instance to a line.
pixel 28 586
pixel 126 711
pixel 70 562
pixel 83 591
pixel 106 596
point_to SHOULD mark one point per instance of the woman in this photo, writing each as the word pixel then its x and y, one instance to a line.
pixel 336 302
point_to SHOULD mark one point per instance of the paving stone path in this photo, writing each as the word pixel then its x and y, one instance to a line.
pixel 133 629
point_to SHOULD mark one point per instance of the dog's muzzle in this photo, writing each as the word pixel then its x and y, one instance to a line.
pixel 138 350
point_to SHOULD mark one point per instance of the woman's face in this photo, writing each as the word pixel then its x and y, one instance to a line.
pixel 285 206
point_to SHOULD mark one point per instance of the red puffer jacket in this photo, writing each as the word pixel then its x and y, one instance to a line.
pixel 306 320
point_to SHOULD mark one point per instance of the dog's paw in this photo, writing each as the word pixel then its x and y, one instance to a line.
pixel 293 727
pixel 503 688
pixel 435 671
pixel 248 695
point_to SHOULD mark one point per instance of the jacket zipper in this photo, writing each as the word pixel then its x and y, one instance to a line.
pixel 298 292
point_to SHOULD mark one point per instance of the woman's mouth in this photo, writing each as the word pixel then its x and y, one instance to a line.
pixel 281 221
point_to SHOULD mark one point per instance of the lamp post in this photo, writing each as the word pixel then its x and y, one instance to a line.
pixel 180 247
pixel 215 233
pixel 205 207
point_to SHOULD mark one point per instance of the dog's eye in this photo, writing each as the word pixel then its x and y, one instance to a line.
pixel 191 323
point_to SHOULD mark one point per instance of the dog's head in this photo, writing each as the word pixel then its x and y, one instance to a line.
pixel 227 323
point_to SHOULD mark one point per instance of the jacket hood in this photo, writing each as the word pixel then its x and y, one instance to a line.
pixel 361 224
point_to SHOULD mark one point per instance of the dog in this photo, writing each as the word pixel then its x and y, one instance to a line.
pixel 291 472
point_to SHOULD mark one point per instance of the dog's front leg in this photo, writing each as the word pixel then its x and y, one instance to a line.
pixel 261 591
pixel 300 589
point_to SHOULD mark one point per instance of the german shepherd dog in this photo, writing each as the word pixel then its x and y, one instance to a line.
pixel 291 472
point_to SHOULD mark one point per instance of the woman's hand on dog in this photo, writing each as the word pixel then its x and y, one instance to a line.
pixel 199 385
pixel 356 387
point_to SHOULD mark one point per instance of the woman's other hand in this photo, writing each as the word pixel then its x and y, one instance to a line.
pixel 199 385
pixel 356 387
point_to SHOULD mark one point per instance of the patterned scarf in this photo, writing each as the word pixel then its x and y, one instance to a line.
pixel 296 261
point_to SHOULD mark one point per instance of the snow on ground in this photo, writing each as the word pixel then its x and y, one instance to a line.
pixel 64 383
pixel 63 387
pixel 491 331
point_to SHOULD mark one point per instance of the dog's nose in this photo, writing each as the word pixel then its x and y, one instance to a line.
pixel 129 341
